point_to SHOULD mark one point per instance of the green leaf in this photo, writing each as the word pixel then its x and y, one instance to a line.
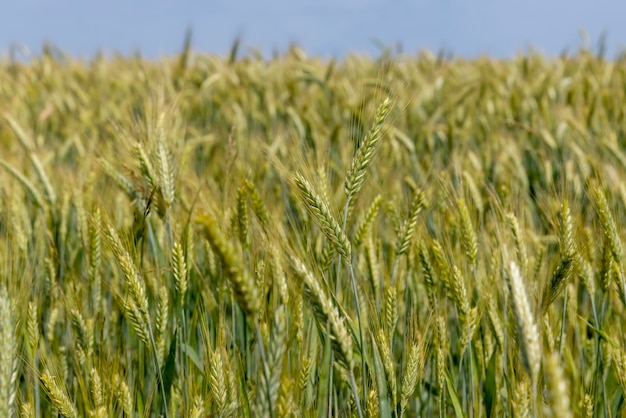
pixel 324 381
pixel 458 411
pixel 169 369
pixel 243 393
pixel 490 385
pixel 193 356
pixel 381 384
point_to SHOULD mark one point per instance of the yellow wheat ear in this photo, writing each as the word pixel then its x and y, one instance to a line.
pixel 8 356
pixel 244 288
pixel 528 333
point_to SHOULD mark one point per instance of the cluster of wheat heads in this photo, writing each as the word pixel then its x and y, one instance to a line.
pixel 407 236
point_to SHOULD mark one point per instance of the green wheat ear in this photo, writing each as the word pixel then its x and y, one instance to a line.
pixel 355 177
pixel 469 239
pixel 320 210
pixel 566 268
pixel 245 290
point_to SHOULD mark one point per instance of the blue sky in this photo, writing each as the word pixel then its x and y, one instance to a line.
pixel 322 27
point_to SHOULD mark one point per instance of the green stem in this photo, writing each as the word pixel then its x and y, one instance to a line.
pixel 266 373
pixel 158 367
pixel 563 318
pixel 356 300
pixel 358 314
pixel 356 394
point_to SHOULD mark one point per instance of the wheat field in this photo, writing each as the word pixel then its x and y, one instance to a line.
pixel 300 237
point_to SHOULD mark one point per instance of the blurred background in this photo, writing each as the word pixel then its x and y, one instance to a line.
pixel 329 28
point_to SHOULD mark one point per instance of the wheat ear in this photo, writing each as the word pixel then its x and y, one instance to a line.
pixel 355 177
pixel 30 189
pixel 48 191
pixel 467 314
pixel 58 395
pixel 166 172
pixel 566 267
pixel 275 356
pixel 366 224
pixel 407 229
pixel 320 210
pixel 137 305
pixel 133 280
pixel 8 356
pixel 528 334
pixel 217 381
pixel 413 372
pixel 145 164
pixel 258 207
pixel 469 240
pixel 179 269
pixel 243 221
pixel 326 312
pixel 244 288
pixel 516 231
pixel 611 236
pixel 124 395
pixel 388 363
pixel 558 395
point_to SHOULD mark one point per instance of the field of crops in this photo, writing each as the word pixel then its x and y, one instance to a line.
pixel 396 237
